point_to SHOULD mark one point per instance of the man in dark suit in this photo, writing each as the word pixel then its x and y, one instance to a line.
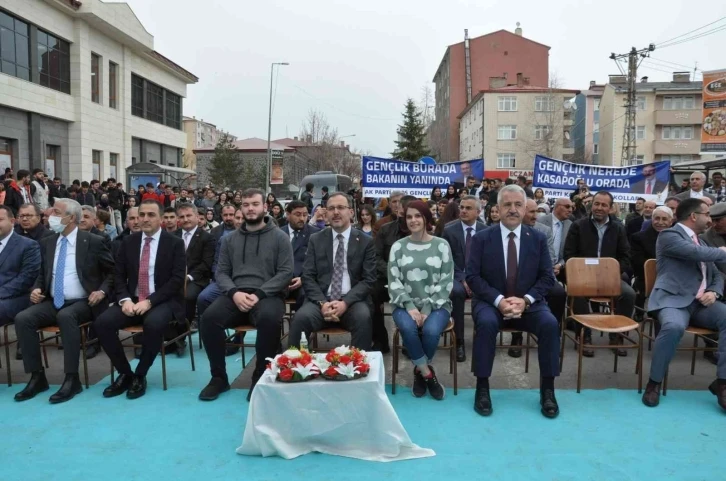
pixel 459 235
pixel 76 275
pixel 148 279
pixel 19 267
pixel 339 276
pixel 29 224
pixel 696 191
pixel 84 197
pixel 199 246
pixel 253 272
pixel 635 225
pixel 559 221
pixel 598 236
pixel 299 231
pixel 650 185
pixel 510 273
pixel 642 247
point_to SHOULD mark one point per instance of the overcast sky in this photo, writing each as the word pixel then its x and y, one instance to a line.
pixel 358 61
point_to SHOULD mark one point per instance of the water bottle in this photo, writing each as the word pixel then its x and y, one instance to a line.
pixel 303 342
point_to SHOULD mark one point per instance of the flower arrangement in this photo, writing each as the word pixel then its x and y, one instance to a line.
pixel 293 365
pixel 343 364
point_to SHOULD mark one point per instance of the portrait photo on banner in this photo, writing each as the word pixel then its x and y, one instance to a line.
pixel 558 178
pixel 383 176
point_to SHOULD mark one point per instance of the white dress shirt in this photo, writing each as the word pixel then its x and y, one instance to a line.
pixel 346 277
pixel 505 244
pixel 187 238
pixel 72 288
pixel 696 195
pixel 4 242
pixel 465 227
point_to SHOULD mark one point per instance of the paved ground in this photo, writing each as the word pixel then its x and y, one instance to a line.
pixel 509 373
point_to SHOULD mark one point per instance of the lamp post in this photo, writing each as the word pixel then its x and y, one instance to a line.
pixel 269 127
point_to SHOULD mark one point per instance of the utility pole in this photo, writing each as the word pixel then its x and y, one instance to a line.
pixel 634 57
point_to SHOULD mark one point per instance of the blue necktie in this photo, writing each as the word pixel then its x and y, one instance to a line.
pixel 60 268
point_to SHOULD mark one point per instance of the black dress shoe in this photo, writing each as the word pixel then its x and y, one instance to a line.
pixel 19 354
pixel 547 400
pixel 483 402
pixel 93 350
pixel 137 388
pixel 70 387
pixel 516 341
pixel 255 377
pixel 588 352
pixel 460 351
pixel 617 341
pixel 710 356
pixel 651 396
pixel 719 390
pixel 119 386
pixel 419 384
pixel 215 387
pixel 37 384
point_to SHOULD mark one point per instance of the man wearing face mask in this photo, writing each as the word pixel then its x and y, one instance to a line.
pixel 76 274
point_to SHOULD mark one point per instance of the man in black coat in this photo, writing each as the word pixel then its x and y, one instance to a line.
pixel 598 236
pixel 299 231
pixel 29 224
pixel 148 279
pixel 72 288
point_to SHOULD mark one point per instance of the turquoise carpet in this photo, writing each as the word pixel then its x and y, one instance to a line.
pixel 600 435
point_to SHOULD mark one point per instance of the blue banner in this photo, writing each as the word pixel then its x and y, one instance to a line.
pixel 381 176
pixel 558 178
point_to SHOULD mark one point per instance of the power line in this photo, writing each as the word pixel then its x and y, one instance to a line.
pixel 340 110
pixel 694 37
pixel 661 44
pixel 669 62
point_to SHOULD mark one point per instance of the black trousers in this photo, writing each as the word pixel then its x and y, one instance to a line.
pixel 357 320
pixel 193 291
pixel 155 322
pixel 223 314
pixel 458 300
pixel 380 296
pixel 44 314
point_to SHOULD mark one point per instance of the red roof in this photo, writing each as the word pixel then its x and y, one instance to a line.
pixel 290 142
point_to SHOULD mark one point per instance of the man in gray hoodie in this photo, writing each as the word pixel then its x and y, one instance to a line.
pixel 254 269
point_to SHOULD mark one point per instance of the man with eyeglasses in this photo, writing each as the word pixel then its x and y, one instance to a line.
pixel 29 224
pixel 698 182
pixel 687 291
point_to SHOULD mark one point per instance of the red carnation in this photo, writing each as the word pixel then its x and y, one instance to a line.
pixel 330 357
pixel 357 356
pixel 286 374
pixel 344 359
pixel 331 372
pixel 283 360
pixel 364 368
pixel 305 359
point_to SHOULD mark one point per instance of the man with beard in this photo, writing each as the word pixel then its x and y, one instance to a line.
pixel 384 240
pixel 40 189
pixel 393 202
pixel 255 268
pixel 116 201
pixel 299 231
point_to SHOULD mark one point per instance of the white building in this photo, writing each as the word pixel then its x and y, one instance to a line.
pixel 83 93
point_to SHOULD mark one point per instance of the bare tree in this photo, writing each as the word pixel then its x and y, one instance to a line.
pixel 544 132
pixel 324 147
pixel 426 105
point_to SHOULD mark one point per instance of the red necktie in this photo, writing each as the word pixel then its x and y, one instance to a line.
pixel 648 188
pixel 144 270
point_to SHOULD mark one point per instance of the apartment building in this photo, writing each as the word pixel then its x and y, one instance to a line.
pixel 497 54
pixel 586 130
pixel 83 93
pixel 507 125
pixel 200 135
pixel 668 120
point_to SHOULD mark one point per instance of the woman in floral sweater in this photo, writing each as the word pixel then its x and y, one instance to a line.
pixel 420 279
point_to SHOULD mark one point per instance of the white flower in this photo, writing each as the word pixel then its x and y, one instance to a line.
pixel 306 371
pixel 273 364
pixel 292 354
pixel 342 350
pixel 348 370
pixel 433 262
pixel 321 362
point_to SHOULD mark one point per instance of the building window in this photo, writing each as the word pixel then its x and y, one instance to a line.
pixel 544 104
pixel 96 157
pixel 137 96
pixel 638 160
pixel 507 132
pixel 640 132
pixel 674 159
pixel 541 132
pixel 596 127
pixel 14 47
pixel 640 103
pixel 154 103
pixel 112 85
pixel 505 161
pixel 6 155
pixel 52 155
pixel 679 103
pixel 95 78
pixel 507 104
pixel 596 104
pixel 113 164
pixel 54 62
pixel 678 132
pixel 595 149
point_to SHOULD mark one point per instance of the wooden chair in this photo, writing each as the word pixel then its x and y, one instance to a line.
pixel 55 334
pixel 449 344
pixel 697 332
pixel 229 342
pixel 327 332
pixel 6 343
pixel 133 330
pixel 528 337
pixel 594 278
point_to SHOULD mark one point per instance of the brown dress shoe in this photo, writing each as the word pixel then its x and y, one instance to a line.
pixel 651 397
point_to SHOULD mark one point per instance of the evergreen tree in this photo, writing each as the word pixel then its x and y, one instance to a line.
pixel 411 145
pixel 225 169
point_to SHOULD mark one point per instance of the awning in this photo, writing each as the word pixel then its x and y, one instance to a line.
pixel 151 168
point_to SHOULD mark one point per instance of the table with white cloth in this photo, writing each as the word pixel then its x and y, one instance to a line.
pixel 346 418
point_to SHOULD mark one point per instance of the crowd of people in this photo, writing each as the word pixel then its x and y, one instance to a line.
pixel 94 255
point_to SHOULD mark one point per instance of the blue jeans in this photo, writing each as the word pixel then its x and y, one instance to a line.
pixel 421 348
pixel 208 295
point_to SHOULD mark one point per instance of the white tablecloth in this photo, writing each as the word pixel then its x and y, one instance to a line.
pixel 348 418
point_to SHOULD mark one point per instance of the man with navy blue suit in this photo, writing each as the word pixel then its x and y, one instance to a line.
pixel 19 267
pixel 299 230
pixel 509 273
pixel 459 235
